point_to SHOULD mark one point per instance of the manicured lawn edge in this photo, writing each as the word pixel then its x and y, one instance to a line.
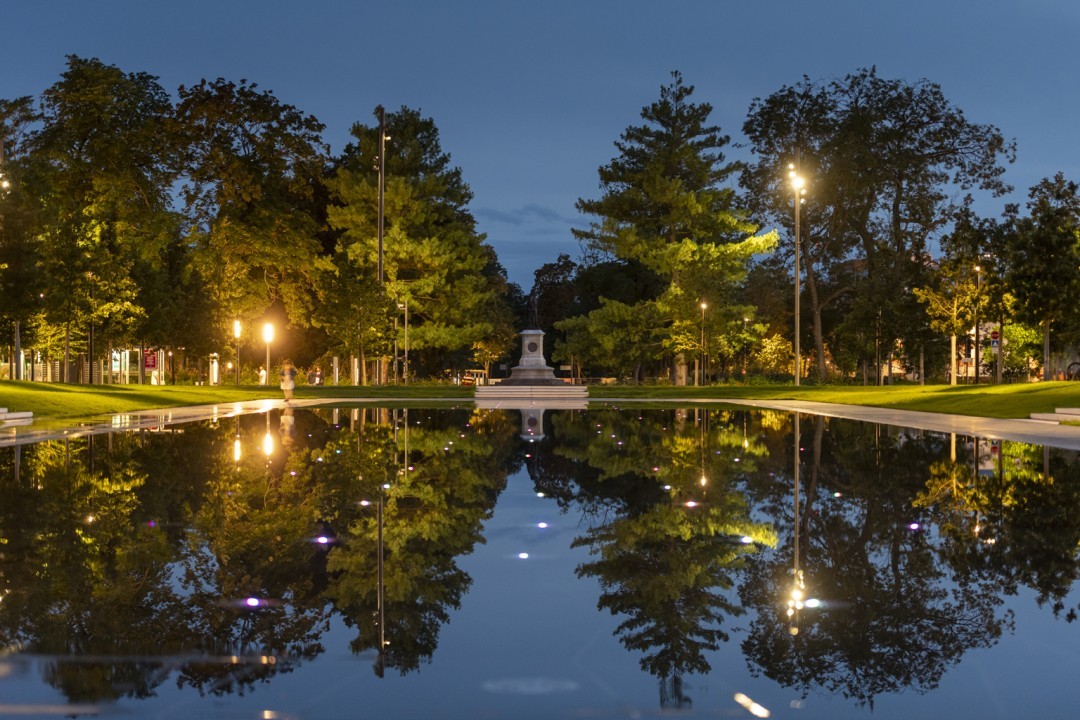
pixel 54 402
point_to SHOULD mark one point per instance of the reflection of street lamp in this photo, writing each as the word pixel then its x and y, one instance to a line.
pixel 797 185
pixel 268 439
pixel 703 374
pixel 798 587
pixel 236 334
pixel 268 336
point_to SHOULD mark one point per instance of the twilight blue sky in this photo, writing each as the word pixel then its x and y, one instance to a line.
pixel 530 96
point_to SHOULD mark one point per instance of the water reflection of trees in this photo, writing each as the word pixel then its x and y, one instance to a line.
pixel 1013 520
pixel 897 613
pixel 438 482
pixel 139 551
pixel 128 559
pixel 673 530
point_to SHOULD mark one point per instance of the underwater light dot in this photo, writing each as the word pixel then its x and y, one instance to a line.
pixel 252 602
pixel 523 556
pixel 541 525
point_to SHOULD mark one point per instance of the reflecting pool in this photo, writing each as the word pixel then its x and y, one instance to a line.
pixel 392 562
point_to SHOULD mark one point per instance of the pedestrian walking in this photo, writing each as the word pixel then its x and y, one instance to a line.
pixel 288 379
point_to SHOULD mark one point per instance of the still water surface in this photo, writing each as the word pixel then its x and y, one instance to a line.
pixel 529 564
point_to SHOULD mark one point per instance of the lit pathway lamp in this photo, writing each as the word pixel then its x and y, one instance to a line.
pixel 236 334
pixel 797 185
pixel 268 337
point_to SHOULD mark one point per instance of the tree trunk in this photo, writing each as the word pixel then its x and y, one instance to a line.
pixel 18 374
pixel 67 352
pixel 1047 374
pixel 815 314
pixel 952 359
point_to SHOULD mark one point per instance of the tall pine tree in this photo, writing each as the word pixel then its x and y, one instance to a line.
pixel 664 208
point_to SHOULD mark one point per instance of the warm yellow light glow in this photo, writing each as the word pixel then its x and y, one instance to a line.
pixel 268 332
pixel 703 306
pixel 796 181
pixel 268 444
pixel 704 481
pixel 751 707
pixel 236 329
pixel 236 450
pixel 796 594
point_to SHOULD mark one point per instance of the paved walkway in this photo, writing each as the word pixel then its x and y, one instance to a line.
pixel 1029 431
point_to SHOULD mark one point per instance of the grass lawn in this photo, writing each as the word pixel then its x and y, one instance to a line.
pixel 1017 400
pixel 55 402
pixel 51 402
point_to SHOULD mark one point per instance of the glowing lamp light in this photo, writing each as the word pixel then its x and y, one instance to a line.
pixel 268 332
pixel 268 444
pixel 751 707
pixel 236 454
pixel 523 556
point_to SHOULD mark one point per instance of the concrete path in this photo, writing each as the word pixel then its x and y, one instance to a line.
pixel 1030 431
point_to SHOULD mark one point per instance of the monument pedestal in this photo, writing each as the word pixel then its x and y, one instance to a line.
pixel 533 378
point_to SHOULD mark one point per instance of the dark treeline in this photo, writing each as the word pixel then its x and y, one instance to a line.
pixel 137 218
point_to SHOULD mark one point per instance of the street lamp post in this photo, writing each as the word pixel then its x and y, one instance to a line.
pixel 703 374
pixel 381 192
pixel 978 297
pixel 405 306
pixel 797 186
pixel 268 336
pixel 236 334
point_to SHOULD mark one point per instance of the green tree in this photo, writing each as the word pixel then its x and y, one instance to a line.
pixel 1042 256
pixel 103 169
pixel 433 256
pixel 21 285
pixel 950 303
pixel 887 165
pixel 664 207
pixel 252 165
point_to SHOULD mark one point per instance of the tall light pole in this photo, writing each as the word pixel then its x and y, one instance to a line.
pixel 797 186
pixel 978 297
pixel 382 176
pixel 236 334
pixel 703 306
pixel 405 307
pixel 17 351
pixel 268 336
pixel 381 189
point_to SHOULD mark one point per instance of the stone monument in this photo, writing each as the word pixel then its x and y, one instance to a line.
pixel 533 370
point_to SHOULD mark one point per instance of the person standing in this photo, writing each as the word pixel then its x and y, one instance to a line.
pixel 288 379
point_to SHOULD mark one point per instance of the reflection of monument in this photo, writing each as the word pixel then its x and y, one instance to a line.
pixel 532 424
pixel 533 378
